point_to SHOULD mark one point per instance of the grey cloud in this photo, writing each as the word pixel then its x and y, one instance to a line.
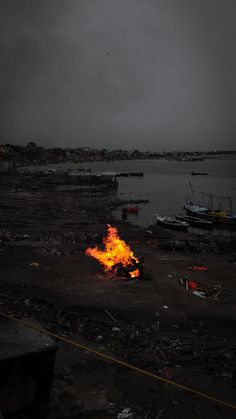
pixel 130 73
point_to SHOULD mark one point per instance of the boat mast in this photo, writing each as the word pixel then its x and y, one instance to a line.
pixel 230 204
pixel 212 202
pixel 192 197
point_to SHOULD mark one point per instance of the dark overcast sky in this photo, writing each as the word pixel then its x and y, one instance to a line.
pixel 148 74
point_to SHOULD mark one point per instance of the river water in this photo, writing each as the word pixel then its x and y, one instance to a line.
pixel 166 182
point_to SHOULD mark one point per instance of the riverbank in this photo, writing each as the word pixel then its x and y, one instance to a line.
pixel 155 323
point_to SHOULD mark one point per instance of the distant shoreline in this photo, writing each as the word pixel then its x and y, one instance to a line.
pixel 222 156
pixel 12 156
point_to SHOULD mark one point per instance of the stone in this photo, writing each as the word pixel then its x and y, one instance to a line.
pixel 26 364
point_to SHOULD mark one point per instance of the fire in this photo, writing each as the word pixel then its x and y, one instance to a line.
pixel 135 273
pixel 116 254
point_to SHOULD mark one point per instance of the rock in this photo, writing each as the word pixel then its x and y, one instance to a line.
pixel 115 329
pixel 227 356
pixel 25 236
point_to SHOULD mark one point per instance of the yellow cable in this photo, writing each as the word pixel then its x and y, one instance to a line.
pixel 117 361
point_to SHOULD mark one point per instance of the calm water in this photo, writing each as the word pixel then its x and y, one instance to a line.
pixel 166 182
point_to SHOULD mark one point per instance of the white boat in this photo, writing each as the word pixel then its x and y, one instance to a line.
pixel 214 208
pixel 171 223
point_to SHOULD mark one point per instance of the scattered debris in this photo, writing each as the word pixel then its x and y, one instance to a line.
pixel 4 295
pixel 198 268
pixel 160 413
pixel 126 413
pixel 110 315
pixel 224 374
pixel 192 284
pixel 143 344
pixel 200 294
pixel 202 289
pixel 34 264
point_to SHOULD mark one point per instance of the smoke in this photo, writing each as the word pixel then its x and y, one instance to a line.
pixel 155 74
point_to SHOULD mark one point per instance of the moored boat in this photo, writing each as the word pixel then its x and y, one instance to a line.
pixel 199 173
pixel 194 221
pixel 171 223
pixel 214 208
pixel 215 216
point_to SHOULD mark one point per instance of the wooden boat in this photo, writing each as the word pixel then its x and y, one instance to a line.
pixel 214 208
pixel 171 223
pixel 140 174
pixel 199 173
pixel 194 221
pixel 120 174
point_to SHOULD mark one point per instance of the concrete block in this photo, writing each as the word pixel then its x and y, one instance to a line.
pixel 26 365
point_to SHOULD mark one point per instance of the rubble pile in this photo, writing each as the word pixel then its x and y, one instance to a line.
pixel 215 245
pixel 150 345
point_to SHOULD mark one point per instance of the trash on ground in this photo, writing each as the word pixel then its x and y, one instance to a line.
pixel 110 315
pixel 34 264
pixel 126 413
pixel 198 268
pixel 192 285
pixel 202 289
pixel 200 294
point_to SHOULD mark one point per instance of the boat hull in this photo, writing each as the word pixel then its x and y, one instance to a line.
pixel 194 221
pixel 215 219
pixel 199 173
pixel 172 224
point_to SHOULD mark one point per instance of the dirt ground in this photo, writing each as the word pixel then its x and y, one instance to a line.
pixel 154 323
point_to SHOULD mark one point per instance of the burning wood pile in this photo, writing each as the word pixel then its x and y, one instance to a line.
pixel 117 258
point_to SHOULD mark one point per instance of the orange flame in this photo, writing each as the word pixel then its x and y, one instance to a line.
pixel 116 252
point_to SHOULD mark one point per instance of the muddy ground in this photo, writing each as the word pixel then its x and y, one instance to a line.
pixel 154 323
